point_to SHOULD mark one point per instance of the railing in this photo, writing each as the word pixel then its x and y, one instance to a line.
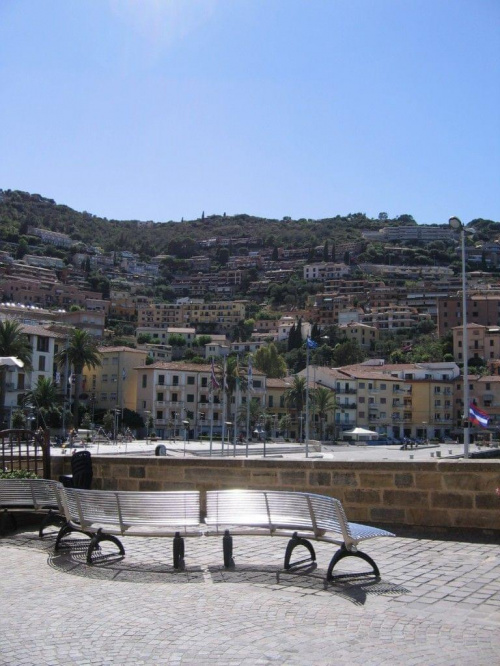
pixel 25 450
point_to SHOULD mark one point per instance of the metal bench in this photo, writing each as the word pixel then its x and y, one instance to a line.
pixel 103 515
pixel 300 516
pixel 39 496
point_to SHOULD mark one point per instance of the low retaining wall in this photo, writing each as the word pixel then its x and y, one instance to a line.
pixel 433 494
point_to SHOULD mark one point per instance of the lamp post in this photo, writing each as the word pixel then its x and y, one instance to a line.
pixel 455 223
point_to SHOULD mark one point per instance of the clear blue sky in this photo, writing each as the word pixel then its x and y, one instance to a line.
pixel 162 109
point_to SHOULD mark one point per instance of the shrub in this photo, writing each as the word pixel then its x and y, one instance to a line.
pixel 18 474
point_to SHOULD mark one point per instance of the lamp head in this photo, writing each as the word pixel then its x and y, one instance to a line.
pixel 455 223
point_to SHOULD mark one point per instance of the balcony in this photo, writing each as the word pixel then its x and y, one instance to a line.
pixel 349 391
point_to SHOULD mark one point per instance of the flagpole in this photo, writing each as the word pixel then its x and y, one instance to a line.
pixel 238 388
pixel 223 405
pixel 211 398
pixel 307 398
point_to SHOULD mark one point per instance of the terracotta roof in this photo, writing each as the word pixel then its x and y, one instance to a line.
pixel 34 329
pixel 121 349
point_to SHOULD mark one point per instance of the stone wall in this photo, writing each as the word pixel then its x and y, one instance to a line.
pixel 438 494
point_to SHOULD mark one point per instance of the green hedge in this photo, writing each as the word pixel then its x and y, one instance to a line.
pixel 18 474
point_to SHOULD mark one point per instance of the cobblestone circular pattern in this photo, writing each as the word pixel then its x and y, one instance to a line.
pixel 56 610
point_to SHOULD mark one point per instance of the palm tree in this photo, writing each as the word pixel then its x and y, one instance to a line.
pixel 13 342
pixel 81 350
pixel 234 375
pixel 45 399
pixel 325 402
pixel 295 396
pixel 256 413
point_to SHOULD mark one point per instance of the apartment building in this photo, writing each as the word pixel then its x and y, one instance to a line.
pixel 174 393
pixel 392 318
pixel 482 308
pixel 113 384
pixel 483 342
pixel 326 308
pixel 20 380
pixel 325 271
pixel 364 334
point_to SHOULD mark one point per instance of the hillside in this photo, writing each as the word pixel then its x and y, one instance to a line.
pixel 18 210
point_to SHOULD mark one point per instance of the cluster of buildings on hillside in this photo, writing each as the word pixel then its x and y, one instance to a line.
pixel 421 400
pixel 366 302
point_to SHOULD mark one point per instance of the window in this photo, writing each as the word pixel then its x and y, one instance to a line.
pixel 174 397
pixel 41 363
pixel 361 400
pixel 383 387
pixel 190 397
pixel 190 380
pixel 270 401
pixel 257 383
pixel 204 382
pixel 361 415
pixel 175 380
pixel 113 397
pixel 383 401
pixel 161 380
pixel 104 396
pixel 144 381
pixel 160 396
pixel 361 385
pixel 159 414
pixel 42 344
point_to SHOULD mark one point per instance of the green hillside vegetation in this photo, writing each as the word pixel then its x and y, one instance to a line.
pixel 19 210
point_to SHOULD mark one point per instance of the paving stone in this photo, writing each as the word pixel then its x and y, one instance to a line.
pixel 437 602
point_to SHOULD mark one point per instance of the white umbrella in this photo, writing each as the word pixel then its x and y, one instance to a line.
pixel 361 431
pixel 11 361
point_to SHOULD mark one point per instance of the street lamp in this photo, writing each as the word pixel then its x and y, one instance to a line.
pixel 456 224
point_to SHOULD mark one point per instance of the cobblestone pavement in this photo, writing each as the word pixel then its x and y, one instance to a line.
pixel 437 602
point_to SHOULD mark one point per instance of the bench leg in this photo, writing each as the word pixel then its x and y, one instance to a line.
pixel 227 549
pixel 343 552
pixel 51 519
pixel 178 552
pixel 292 544
pixel 6 518
pixel 65 530
pixel 97 538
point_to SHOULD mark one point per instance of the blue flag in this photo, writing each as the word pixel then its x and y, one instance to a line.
pixel 311 344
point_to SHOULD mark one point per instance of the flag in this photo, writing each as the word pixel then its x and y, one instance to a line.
pixel 224 377
pixel 311 344
pixel 124 374
pixel 250 375
pixel 478 417
pixel 71 379
pixel 213 379
pixel 58 378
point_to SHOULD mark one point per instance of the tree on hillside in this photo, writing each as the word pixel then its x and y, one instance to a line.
pixel 348 353
pixel 80 351
pixel 270 362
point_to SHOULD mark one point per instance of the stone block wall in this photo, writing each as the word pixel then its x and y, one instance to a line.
pixel 458 494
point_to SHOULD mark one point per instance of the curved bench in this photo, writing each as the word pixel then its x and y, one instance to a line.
pixel 302 517
pixel 39 496
pixel 105 514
